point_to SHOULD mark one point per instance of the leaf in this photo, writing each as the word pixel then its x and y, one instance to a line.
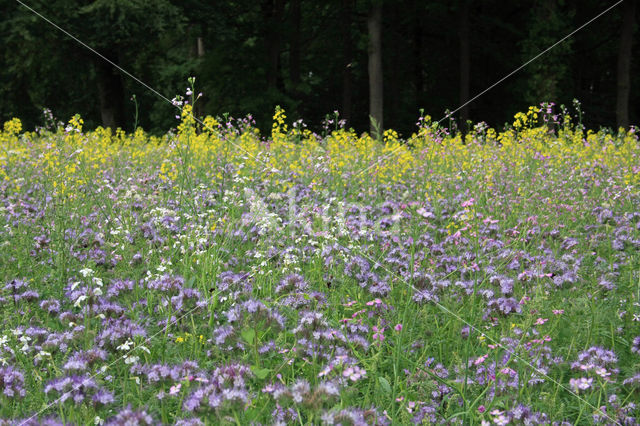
pixel 261 373
pixel 384 384
pixel 191 281
pixel 248 334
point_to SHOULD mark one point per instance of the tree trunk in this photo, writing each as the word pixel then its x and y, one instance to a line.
pixel 624 64
pixel 374 25
pixel 198 108
pixel 394 74
pixel 273 11
pixel 294 64
pixel 464 62
pixel 347 59
pixel 295 35
pixel 418 79
pixel 110 94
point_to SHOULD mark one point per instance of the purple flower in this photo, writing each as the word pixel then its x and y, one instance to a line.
pixel 11 382
pixel 583 383
pixel 226 386
pixel 51 306
pixel 119 286
pixel 284 416
pixel 79 389
pixel 504 305
pixel 354 373
pixel 167 284
pixel 117 331
pixel 81 360
pixel 302 393
pixel 354 416
pixel 33 421
pixel 293 283
pixel 164 372
pixel 595 358
pixel 633 381
pixel 465 331
pixel 130 417
pixel 229 281
pixel 19 290
pixel 635 346
pixel 16 285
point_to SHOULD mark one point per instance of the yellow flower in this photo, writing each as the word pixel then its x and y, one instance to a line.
pixel 13 126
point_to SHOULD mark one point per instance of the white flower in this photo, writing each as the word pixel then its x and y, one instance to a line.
pixel 86 272
pixel 501 420
pixel 130 359
pixel 583 383
pixel 126 345
pixel 42 354
pixel 79 300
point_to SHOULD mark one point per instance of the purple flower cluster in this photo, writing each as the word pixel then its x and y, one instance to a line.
pixel 83 360
pixel 252 312
pixel 155 373
pixel 635 345
pixel 36 339
pixel 596 359
pixel 302 394
pixel 233 284
pixel 225 387
pixel 19 290
pixel 355 417
pixel 79 389
pixel 116 331
pixel 129 416
pixel 33 421
pixel 11 382
pixel 520 414
pixel 315 338
pixel 120 286
pixel 295 293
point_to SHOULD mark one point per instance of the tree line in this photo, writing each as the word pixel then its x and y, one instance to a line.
pixel 386 59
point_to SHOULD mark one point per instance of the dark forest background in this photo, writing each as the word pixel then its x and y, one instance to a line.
pixel 388 59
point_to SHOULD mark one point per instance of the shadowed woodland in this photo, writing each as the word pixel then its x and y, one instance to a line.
pixel 388 59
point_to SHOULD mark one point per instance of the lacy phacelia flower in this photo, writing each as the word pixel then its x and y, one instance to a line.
pixel 129 416
pixel 11 382
pixel 79 389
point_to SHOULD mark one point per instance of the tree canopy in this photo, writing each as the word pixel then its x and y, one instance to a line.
pixel 314 58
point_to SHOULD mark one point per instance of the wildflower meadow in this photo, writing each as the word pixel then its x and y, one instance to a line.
pixel 220 275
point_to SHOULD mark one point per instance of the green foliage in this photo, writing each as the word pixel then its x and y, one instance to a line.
pixel 245 42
